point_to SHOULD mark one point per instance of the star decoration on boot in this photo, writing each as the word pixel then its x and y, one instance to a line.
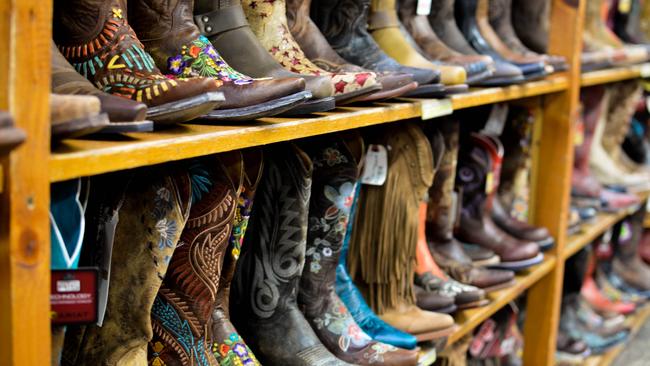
pixel 117 13
pixel 340 86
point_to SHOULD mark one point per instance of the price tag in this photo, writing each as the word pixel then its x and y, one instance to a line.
pixel 73 296
pixel 375 168
pixel 424 7
pixel 497 120
pixel 645 70
pixel 624 6
pixel 432 108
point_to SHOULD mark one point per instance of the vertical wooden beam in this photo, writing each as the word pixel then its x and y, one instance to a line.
pixel 25 33
pixel 551 174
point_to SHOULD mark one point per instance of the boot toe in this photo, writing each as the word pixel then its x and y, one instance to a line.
pixel 491 277
pixel 259 91
pixel 122 109
pixel 422 76
pixel 400 357
pixel 319 86
pixel 523 251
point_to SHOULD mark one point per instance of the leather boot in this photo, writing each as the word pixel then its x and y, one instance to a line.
pixel 334 178
pixel 125 115
pixel 530 20
pixel 443 21
pixel 96 39
pixel 316 48
pixel 149 219
pixel 225 25
pixel 441 217
pixel 75 116
pixel 384 26
pixel 182 311
pixel 285 50
pixel 344 25
pixel 228 346
pixel 476 162
pixel 432 47
pixel 472 16
pixel 10 136
pixel 265 289
pixel 627 263
pixel 500 17
pixel 167 30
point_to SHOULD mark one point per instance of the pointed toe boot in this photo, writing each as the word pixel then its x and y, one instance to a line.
pixel 96 39
pixel 149 214
pixel 425 325
pixel 265 289
pixel 168 31
pixel 284 48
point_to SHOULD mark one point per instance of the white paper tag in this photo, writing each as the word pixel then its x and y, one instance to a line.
pixel 497 120
pixel 424 7
pixel 645 70
pixel 432 108
pixel 375 168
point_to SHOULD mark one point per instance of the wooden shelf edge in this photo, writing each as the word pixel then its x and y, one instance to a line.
pixel 636 322
pixel 469 319
pixel 613 75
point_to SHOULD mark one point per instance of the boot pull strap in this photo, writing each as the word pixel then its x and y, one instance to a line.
pixel 382 19
pixel 221 20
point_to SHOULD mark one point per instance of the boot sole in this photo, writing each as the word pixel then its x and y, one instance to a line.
pixel 500 286
pixel 477 78
pixel 185 109
pixel 504 81
pixel 10 138
pixel 80 127
pixel 388 94
pixel 266 109
pixel 311 106
pixel 473 304
pixel 429 336
pixel 520 265
pixel 546 244
pixel 126 127
pixel 351 97
pixel 425 91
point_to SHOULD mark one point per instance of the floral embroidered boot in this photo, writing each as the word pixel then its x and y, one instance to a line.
pixel 228 347
pixel 264 307
pixel 333 184
pixel 147 223
pixel 182 312
pixel 269 22
pixel 96 39
pixel 168 31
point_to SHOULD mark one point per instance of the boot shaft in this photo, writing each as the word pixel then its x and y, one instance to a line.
pixel 155 20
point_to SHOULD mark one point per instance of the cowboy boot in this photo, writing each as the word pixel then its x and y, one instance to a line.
pixel 477 162
pixel 264 293
pixel 432 47
pixel 152 214
pixel 225 25
pixel 96 39
pixel 500 17
pixel 333 184
pixel 344 25
pixel 228 346
pixel 384 26
pixel 125 115
pixel 627 263
pixel 283 47
pixel 442 20
pixel 189 54
pixel 530 21
pixel 75 116
pixel 316 48
pixel 440 220
pixel 472 16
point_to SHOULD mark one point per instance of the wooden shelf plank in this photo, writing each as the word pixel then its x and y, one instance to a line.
pixel 471 318
pixel 635 322
pixel 78 158
pixel 613 75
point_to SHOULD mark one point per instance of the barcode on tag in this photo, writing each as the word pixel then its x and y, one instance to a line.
pixel 68 286
pixel 424 7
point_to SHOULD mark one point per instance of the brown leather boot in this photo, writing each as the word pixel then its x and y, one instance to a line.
pixel 418 26
pixel 447 251
pixel 333 184
pixel 530 20
pixel 316 48
pixel 181 314
pixel 167 30
pixel 228 347
pixel 125 115
pixel 480 159
pixel 627 263
pixel 149 219
pixel 97 40
pixel 75 116
pixel 265 288
pixel 285 50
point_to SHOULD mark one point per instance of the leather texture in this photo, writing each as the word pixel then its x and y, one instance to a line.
pixel 530 20
pixel 167 30
pixel 96 39
pixel 264 294
pixel 413 320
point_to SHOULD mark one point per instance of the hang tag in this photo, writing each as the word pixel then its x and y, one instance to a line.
pixel 432 108
pixel 645 71
pixel 624 6
pixel 424 7
pixel 73 296
pixel 497 120
pixel 375 168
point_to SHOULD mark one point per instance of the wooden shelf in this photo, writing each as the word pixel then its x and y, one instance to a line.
pixel 469 319
pixel 635 322
pixel 85 157
pixel 615 74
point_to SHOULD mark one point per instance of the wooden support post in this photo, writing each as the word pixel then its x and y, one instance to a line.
pixel 25 33
pixel 551 176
